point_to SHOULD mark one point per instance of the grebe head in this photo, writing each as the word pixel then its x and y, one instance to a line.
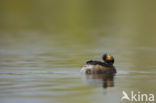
pixel 108 59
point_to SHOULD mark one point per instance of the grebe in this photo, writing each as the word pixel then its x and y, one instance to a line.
pixel 98 67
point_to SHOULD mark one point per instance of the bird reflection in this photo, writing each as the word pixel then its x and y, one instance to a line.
pixel 105 80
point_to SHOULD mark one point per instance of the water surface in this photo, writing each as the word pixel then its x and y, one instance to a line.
pixel 44 44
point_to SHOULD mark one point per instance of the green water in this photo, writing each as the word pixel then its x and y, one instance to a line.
pixel 44 44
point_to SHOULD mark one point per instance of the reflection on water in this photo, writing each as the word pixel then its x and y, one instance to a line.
pixel 105 80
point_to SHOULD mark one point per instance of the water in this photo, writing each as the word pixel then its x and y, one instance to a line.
pixel 41 56
pixel 38 68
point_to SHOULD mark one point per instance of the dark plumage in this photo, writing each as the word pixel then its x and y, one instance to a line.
pixel 91 62
pixel 100 67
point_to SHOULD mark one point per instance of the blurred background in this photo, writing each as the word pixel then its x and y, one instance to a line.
pixel 44 43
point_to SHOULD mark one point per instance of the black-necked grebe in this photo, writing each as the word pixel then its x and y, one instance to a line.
pixel 97 67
